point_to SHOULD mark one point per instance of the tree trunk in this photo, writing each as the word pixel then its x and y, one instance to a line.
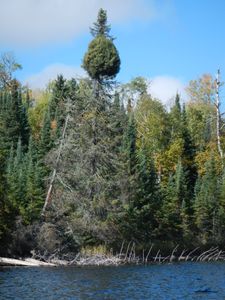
pixel 48 197
pixel 218 117
pixel 29 262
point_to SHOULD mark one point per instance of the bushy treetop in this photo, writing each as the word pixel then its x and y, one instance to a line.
pixel 102 60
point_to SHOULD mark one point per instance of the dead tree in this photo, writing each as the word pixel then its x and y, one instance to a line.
pixel 48 197
pixel 218 117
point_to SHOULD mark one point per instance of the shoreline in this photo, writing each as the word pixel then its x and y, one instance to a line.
pixel 213 254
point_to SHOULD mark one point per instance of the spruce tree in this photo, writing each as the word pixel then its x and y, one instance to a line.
pixel 7 212
pixel 101 27
pixel 13 118
pixel 188 155
pixel 45 139
pixel 34 186
pixel 86 185
pixel 176 119
pixel 207 202
pixel 16 179
pixel 130 145
pixel 147 200
pixel 174 213
pixel 10 118
pixel 58 99
pixel 221 212
pixel 118 122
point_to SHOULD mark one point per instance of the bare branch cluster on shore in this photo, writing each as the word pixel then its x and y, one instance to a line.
pixel 128 256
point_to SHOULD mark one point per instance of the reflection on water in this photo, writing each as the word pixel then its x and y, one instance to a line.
pixel 174 281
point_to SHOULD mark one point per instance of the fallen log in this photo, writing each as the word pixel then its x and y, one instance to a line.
pixel 29 262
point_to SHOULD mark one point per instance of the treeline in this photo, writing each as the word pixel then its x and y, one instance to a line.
pixel 129 168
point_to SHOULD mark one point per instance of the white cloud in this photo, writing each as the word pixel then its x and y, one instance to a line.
pixel 165 88
pixel 33 22
pixel 41 79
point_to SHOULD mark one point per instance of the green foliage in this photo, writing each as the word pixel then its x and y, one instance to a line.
pixel 130 145
pixel 221 213
pixel 7 213
pixel 118 123
pixel 16 178
pixel 201 110
pixel 45 136
pixel 152 125
pixel 101 27
pixel 13 118
pixel 142 173
pixel 102 60
pixel 147 200
pixel 8 65
pixel 25 175
pixel 207 203
pixel 58 98
pixel 175 219
pixel 36 113
pixel 176 119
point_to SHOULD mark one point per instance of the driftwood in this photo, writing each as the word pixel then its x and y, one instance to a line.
pixel 172 256
pixel 146 259
pixel 128 256
pixel 29 262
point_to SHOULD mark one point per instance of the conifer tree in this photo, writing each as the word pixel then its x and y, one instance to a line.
pixel 118 121
pixel 147 201
pixel 34 189
pixel 221 212
pixel 60 92
pixel 101 27
pixel 45 138
pixel 24 126
pixel 130 145
pixel 86 178
pixel 13 119
pixel 7 212
pixel 16 179
pixel 176 119
pixel 10 119
pixel 181 143
pixel 207 203
pixel 175 221
pixel 188 155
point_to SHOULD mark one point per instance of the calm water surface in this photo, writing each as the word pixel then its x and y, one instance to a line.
pixel 172 281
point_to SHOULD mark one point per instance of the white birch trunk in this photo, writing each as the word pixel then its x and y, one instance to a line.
pixel 218 117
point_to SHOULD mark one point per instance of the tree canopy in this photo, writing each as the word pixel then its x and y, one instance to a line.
pixel 102 60
pixel 121 166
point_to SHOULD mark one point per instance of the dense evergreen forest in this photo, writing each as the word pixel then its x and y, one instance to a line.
pixel 91 162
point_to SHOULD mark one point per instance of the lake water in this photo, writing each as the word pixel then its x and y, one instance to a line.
pixel 168 281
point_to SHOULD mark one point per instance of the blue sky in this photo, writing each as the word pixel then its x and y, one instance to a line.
pixel 167 41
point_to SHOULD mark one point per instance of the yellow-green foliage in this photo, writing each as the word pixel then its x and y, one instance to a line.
pixel 36 113
pixel 95 250
pixel 200 116
pixel 204 156
pixel 167 160
pixel 150 117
